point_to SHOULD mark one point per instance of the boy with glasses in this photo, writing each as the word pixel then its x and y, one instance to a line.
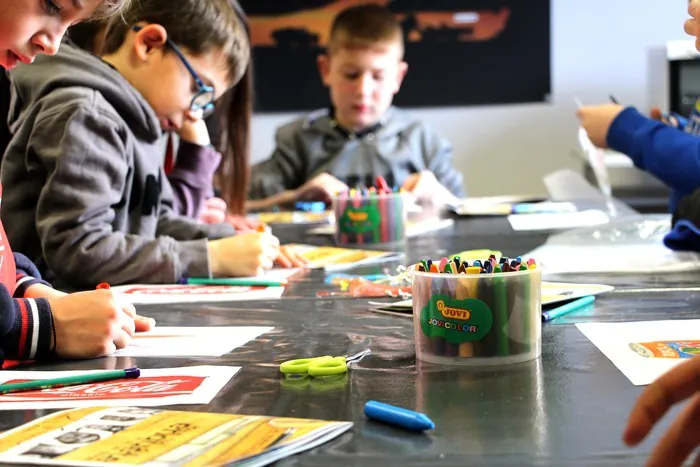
pixel 90 201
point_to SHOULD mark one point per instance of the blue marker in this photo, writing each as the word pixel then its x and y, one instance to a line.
pixel 568 308
pixel 408 419
pixel 310 206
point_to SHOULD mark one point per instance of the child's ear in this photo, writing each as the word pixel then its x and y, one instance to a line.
pixel 151 38
pixel 324 66
pixel 401 74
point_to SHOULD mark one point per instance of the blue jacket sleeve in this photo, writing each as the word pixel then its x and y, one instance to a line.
pixel 26 327
pixel 668 153
pixel 27 275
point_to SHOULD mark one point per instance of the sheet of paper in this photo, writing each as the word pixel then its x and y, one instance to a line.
pixel 645 350
pixel 165 386
pixel 99 436
pixel 414 228
pixel 505 209
pixel 477 204
pixel 622 258
pixel 293 217
pixel 554 221
pixel 214 341
pixel 338 259
pixel 143 294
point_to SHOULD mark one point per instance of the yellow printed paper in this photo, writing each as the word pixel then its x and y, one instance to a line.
pixel 328 256
pixel 150 437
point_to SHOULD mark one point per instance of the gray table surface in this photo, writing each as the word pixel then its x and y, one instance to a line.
pixel 567 408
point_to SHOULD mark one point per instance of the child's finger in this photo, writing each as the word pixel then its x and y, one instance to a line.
pixel 283 260
pixel 212 216
pixel 143 323
pixel 216 203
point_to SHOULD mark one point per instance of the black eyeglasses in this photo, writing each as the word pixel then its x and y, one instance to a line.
pixel 204 98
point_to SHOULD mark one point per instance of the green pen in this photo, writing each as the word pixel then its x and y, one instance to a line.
pixel 242 281
pixel 52 383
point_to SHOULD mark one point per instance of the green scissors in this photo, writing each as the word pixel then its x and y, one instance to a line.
pixel 320 366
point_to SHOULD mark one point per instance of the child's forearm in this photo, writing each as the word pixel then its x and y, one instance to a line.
pixel 42 291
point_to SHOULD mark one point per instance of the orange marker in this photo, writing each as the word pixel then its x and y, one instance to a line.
pixel 263 228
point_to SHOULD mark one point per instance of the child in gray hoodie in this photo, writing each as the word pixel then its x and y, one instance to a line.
pixel 89 199
pixel 362 135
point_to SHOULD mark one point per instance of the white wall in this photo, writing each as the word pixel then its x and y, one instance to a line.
pixel 599 47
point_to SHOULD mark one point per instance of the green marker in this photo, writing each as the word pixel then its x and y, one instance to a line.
pixel 242 281
pixel 69 380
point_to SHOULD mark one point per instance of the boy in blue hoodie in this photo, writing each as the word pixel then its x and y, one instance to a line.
pixel 669 152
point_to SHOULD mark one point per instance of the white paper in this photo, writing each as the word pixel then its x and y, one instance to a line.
pixel 145 294
pixel 190 341
pixel 614 339
pixel 141 294
pixel 553 221
pixel 165 386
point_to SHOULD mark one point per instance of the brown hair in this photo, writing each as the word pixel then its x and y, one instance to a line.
pixel 109 8
pixel 364 26
pixel 200 26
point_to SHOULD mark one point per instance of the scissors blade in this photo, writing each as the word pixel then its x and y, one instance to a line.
pixel 358 355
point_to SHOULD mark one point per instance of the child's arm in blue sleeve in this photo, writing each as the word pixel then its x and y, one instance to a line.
pixel 668 153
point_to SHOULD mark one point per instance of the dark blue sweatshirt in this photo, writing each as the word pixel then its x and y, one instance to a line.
pixel 668 153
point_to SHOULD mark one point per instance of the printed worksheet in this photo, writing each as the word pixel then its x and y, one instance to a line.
pixel 645 350
pixel 165 386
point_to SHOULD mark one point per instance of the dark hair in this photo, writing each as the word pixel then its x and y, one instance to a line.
pixel 85 34
pixel 364 26
pixel 200 26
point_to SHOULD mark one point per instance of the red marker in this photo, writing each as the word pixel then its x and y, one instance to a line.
pixel 102 285
pixel 382 185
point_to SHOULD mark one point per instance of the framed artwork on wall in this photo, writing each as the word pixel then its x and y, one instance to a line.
pixel 459 52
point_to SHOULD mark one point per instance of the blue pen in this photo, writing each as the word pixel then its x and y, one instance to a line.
pixel 404 418
pixel 568 308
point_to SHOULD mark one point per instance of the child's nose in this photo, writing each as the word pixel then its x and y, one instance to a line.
pixel 48 43
pixel 365 85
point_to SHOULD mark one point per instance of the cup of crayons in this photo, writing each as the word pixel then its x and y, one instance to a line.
pixel 371 215
pixel 484 312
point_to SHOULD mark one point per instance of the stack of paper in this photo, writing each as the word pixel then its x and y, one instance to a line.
pixel 150 437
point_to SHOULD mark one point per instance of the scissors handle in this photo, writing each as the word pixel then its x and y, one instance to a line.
pixel 301 365
pixel 328 367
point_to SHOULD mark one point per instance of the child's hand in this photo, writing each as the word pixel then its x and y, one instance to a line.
pixel 213 211
pixel 194 130
pixel 426 189
pixel 692 25
pixel 242 223
pixel 92 324
pixel 683 436
pixel 320 188
pixel 596 120
pixel 246 254
pixel 288 258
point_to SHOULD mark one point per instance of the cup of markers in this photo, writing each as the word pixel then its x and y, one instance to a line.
pixel 369 216
pixel 484 312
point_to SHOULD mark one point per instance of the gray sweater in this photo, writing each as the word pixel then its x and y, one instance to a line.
pixel 313 144
pixel 86 197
